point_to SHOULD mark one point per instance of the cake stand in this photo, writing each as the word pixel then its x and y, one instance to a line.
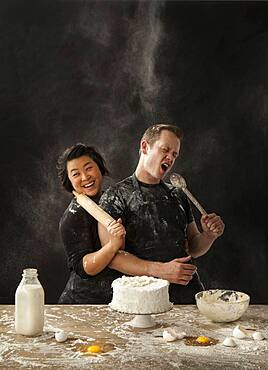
pixel 143 320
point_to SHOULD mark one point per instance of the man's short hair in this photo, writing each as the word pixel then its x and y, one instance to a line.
pixel 151 135
pixel 73 152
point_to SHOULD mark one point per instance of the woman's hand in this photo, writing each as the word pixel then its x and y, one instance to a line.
pixel 117 234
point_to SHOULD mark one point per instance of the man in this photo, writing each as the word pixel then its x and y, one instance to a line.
pixel 161 234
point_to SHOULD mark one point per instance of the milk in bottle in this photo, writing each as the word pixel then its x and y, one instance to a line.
pixel 29 304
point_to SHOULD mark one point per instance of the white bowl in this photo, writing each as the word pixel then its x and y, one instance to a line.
pixel 222 305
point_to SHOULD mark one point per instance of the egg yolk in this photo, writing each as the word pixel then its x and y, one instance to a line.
pixel 202 339
pixel 94 349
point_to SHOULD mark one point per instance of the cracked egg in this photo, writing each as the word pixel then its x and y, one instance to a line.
pixel 95 348
pixel 200 341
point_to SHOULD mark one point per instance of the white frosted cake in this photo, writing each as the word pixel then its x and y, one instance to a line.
pixel 140 295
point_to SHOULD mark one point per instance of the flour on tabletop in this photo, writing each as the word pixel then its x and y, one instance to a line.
pixel 132 344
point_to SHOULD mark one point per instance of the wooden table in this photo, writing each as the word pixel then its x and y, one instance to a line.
pixel 130 348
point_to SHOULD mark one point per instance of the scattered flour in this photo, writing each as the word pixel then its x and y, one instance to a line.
pixel 132 348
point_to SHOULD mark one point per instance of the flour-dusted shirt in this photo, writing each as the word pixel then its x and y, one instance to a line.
pixel 155 217
pixel 79 234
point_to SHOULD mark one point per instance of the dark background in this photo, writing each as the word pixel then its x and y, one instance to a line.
pixel 101 72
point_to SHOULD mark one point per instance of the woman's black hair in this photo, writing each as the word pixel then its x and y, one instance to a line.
pixel 73 152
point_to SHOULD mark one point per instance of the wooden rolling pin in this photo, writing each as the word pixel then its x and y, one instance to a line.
pixel 92 208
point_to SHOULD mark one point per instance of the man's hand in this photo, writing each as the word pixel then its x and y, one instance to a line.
pixel 212 225
pixel 117 234
pixel 177 271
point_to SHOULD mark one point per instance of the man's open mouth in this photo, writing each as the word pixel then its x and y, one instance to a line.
pixel 164 167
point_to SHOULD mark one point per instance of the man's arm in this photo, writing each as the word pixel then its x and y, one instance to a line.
pixel 177 271
pixel 200 243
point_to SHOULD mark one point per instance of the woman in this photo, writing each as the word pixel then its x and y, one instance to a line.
pixel 81 168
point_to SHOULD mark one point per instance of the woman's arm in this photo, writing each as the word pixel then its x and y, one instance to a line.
pixel 79 235
pixel 95 262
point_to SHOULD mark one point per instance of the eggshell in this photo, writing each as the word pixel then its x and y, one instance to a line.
pixel 257 335
pixel 180 335
pixel 239 332
pixel 169 335
pixel 61 336
pixel 229 342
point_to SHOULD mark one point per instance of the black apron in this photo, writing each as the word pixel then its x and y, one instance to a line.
pixel 94 290
pixel 171 249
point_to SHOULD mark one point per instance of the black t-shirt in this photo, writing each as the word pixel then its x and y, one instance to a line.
pixel 155 217
pixel 79 233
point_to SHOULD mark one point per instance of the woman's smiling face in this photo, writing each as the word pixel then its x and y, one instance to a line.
pixel 85 175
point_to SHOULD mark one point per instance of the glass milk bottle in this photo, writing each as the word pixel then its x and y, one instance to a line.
pixel 29 304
